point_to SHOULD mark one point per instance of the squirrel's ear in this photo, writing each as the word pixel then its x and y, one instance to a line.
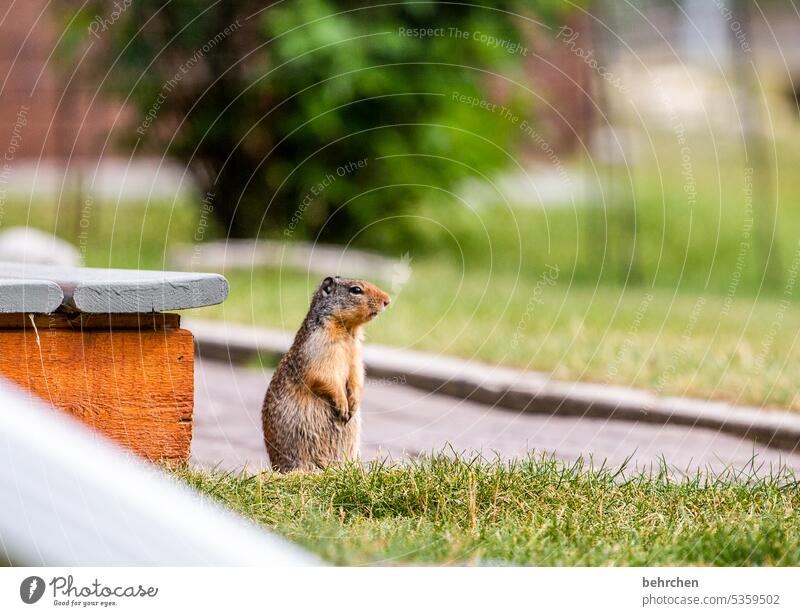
pixel 327 285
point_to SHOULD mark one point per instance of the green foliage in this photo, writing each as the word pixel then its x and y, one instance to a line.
pixel 534 511
pixel 269 105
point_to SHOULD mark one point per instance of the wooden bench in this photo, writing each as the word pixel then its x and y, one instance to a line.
pixel 102 345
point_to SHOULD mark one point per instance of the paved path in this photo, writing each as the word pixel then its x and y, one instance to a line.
pixel 401 421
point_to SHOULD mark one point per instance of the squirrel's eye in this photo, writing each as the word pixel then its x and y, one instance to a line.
pixel 356 290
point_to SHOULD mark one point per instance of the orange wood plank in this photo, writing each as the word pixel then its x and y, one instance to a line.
pixel 134 385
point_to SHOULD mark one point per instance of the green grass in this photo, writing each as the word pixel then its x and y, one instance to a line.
pixel 130 235
pixel 677 341
pixel 672 342
pixel 537 511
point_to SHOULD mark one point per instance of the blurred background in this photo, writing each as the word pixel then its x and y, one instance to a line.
pixel 603 191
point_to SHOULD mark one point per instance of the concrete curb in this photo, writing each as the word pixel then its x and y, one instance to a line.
pixel 529 392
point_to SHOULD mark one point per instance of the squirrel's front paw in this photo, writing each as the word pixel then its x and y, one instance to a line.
pixel 352 407
pixel 342 413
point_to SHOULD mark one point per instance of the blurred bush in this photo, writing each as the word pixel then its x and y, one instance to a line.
pixel 272 106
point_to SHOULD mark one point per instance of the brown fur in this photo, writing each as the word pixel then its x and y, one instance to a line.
pixel 310 414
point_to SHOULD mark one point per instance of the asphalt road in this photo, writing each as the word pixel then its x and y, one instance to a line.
pixel 401 422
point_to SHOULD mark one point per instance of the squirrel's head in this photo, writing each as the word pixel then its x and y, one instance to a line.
pixel 350 301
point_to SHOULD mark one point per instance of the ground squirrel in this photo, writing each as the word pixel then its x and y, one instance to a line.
pixel 310 414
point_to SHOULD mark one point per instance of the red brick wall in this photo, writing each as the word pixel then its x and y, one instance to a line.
pixel 33 90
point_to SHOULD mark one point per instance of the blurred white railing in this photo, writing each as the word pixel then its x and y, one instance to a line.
pixel 68 496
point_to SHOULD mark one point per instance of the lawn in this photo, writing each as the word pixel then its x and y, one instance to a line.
pixel 687 340
pixel 538 511
pixel 672 342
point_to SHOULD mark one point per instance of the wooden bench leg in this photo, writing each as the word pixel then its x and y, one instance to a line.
pixel 131 377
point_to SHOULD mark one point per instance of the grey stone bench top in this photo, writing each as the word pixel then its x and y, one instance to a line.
pixel 43 288
pixel 29 296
